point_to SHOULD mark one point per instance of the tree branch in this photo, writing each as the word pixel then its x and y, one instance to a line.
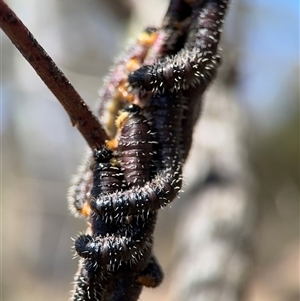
pixel 79 112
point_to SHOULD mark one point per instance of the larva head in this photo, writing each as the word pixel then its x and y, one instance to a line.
pixel 141 78
pixel 103 154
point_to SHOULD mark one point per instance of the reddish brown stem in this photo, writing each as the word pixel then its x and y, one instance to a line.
pixel 80 114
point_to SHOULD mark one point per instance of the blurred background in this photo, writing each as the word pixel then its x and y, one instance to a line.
pixel 249 131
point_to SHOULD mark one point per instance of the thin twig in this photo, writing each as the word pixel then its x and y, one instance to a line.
pixel 80 114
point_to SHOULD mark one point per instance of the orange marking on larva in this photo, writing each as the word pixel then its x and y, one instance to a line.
pixel 112 144
pixel 86 210
pixel 124 94
pixel 133 64
pixel 147 39
pixel 122 120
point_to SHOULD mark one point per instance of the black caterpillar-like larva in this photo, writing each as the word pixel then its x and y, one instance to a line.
pixel 166 184
pixel 196 63
pixel 135 149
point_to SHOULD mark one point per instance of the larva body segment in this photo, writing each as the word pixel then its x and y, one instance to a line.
pixel 166 111
pixel 206 26
pixel 107 173
pixel 135 148
pixel 108 178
